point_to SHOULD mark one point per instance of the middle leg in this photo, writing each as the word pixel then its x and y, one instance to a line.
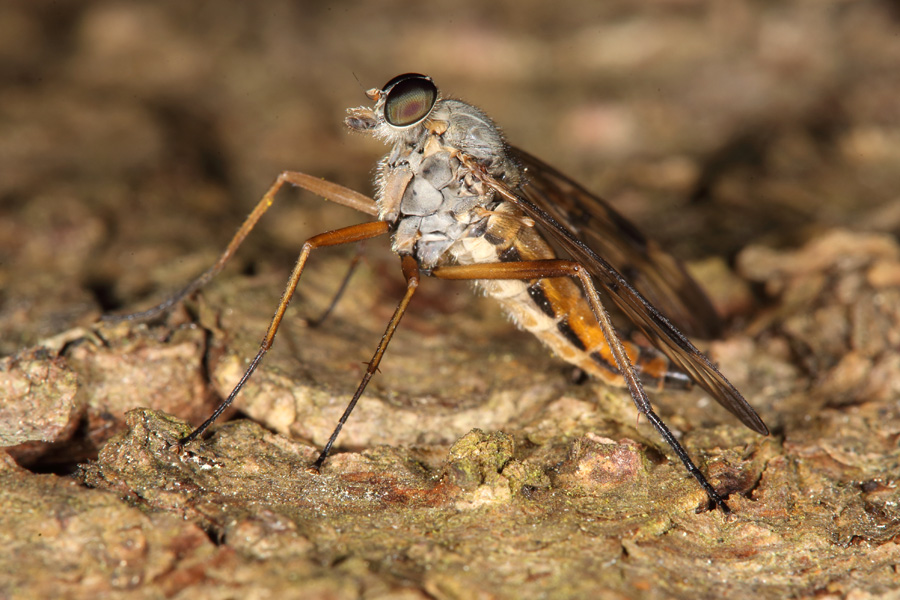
pixel 346 235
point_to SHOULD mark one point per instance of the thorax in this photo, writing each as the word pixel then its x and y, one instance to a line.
pixel 428 192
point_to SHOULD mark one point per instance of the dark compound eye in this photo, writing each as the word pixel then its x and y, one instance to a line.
pixel 410 98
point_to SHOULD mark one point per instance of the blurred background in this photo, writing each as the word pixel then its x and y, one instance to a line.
pixel 135 136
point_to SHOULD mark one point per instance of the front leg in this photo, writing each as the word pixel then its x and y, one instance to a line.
pixel 326 189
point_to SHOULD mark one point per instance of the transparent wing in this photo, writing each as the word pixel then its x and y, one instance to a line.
pixel 660 277
pixel 545 196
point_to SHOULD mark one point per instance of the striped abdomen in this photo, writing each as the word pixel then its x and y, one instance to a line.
pixel 555 310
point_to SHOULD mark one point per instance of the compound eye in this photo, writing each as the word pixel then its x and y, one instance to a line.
pixel 410 98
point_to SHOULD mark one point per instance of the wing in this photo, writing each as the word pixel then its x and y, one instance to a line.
pixel 665 336
pixel 660 277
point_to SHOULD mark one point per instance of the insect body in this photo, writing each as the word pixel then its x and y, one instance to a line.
pixel 444 214
pixel 459 203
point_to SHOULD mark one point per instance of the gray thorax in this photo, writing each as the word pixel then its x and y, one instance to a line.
pixel 429 193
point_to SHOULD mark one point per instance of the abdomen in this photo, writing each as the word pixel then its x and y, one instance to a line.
pixel 554 310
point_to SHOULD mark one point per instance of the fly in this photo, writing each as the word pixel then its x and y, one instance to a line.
pixel 458 202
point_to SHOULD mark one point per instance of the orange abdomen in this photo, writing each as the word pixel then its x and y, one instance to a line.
pixel 555 310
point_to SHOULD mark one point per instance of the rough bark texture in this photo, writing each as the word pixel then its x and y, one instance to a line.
pixel 761 143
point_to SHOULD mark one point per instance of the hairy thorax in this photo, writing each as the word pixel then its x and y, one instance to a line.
pixel 426 188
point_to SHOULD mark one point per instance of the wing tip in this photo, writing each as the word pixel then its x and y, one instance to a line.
pixel 756 425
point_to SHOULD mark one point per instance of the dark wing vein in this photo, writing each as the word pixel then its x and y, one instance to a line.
pixel 651 323
pixel 660 277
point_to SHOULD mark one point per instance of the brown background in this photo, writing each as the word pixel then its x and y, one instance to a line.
pixel 135 136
